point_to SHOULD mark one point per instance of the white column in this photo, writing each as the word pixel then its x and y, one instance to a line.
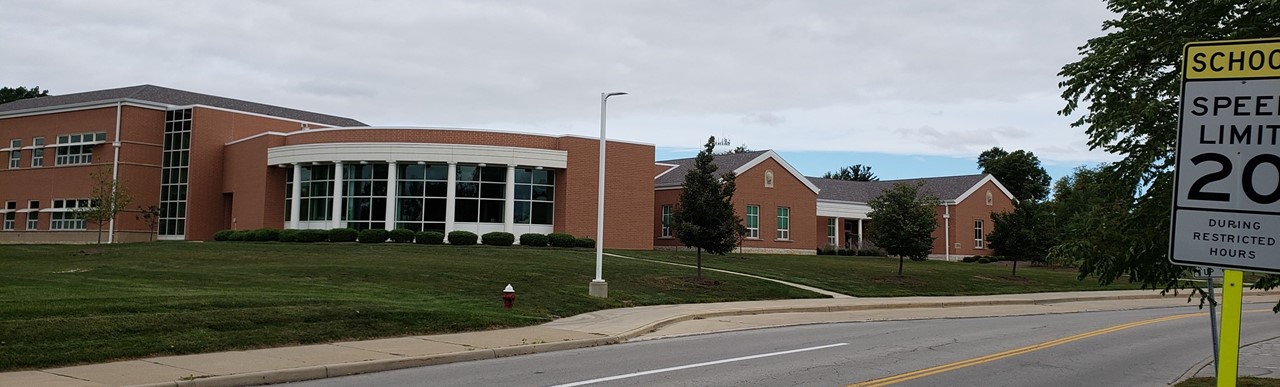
pixel 295 206
pixel 451 193
pixel 860 233
pixel 337 195
pixel 509 210
pixel 392 187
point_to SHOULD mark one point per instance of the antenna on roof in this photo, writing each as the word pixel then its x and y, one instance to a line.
pixel 723 142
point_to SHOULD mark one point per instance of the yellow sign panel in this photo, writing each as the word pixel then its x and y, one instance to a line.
pixel 1232 59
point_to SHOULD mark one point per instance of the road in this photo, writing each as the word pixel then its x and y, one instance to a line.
pixel 1147 347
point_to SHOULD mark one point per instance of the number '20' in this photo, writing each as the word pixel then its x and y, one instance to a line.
pixel 1246 178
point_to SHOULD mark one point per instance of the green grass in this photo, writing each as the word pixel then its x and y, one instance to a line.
pixel 59 306
pixel 878 276
pixel 1242 382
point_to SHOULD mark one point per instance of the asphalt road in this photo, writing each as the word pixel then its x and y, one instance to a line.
pixel 1149 347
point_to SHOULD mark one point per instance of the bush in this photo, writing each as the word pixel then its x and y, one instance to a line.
pixel 429 238
pixel 969 259
pixel 984 260
pixel 870 253
pixel 585 242
pixel 559 239
pixel 846 252
pixel 290 235
pixel 239 236
pixel 312 236
pixel 343 235
pixel 498 238
pixel 463 238
pixel 264 235
pixel 223 236
pixel 401 235
pixel 373 235
pixel 533 239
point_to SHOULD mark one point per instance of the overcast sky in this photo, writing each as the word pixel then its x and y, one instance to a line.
pixel 829 83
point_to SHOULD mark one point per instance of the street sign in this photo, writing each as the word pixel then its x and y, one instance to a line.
pixel 1226 207
pixel 1202 273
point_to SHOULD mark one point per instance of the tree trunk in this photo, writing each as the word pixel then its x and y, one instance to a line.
pixel 699 265
pixel 1015 267
pixel 99 233
pixel 899 265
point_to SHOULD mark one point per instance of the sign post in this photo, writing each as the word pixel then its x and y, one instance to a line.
pixel 1226 204
pixel 1207 274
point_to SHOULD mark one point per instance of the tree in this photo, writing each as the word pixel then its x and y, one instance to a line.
pixel 1126 84
pixel 1020 172
pixel 704 219
pixel 903 222
pixel 1026 233
pixel 106 199
pixel 856 172
pixel 150 216
pixel 739 149
pixel 13 94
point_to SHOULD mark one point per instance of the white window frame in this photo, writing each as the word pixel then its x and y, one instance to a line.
pixel 15 153
pixel 62 215
pixel 666 220
pixel 753 232
pixel 37 152
pixel 832 230
pixel 33 214
pixel 978 236
pixel 784 223
pixel 10 215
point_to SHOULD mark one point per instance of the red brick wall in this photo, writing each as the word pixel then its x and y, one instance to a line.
pixel 822 232
pixel 964 214
pixel 628 192
pixel 257 189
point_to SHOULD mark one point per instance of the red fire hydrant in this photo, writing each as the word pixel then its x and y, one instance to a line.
pixel 508 297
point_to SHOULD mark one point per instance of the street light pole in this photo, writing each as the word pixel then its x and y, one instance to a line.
pixel 598 287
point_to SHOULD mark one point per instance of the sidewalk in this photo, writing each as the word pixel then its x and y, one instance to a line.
pixel 276 365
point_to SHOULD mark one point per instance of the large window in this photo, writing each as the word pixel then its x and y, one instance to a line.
pixel 76 149
pixel 666 220
pixel 15 153
pixel 831 232
pixel 175 157
pixel 364 196
pixel 753 222
pixel 37 154
pixel 481 194
pixel 317 193
pixel 33 214
pixel 535 196
pixel 64 216
pixel 10 215
pixel 977 234
pixel 421 196
pixel 784 223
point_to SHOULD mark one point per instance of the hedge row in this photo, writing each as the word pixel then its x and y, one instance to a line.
pixel 852 252
pixel 400 235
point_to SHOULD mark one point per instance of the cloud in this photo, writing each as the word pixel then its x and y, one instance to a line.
pixel 769 119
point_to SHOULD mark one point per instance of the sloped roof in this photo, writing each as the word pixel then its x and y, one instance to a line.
pixel 724 163
pixel 946 188
pixel 163 95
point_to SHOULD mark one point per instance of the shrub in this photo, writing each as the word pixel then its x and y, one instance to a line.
pixel 264 235
pixel 533 239
pixel 969 259
pixel 463 238
pixel 223 236
pixel 290 235
pixel 559 239
pixel 846 252
pixel 984 260
pixel 373 235
pixel 343 235
pixel 429 238
pixel 312 236
pixel 401 235
pixel 239 235
pixel 870 253
pixel 585 242
pixel 498 238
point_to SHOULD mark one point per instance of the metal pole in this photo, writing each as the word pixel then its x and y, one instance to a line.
pixel 1213 317
pixel 598 287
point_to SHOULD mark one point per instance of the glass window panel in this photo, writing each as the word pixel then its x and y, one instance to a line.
pixel 493 191
pixel 544 177
pixel 491 211
pixel 467 210
pixel 380 171
pixel 542 213
pixel 411 188
pixel 494 174
pixel 524 175
pixel 412 172
pixel 522 192
pixel 433 227
pixel 437 189
pixel 379 209
pixel 434 210
pixel 380 187
pixel 437 172
pixel 522 212
pixel 410 210
pixel 468 173
pixel 543 193
pixel 468 190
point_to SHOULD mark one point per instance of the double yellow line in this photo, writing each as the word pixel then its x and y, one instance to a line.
pixel 1013 352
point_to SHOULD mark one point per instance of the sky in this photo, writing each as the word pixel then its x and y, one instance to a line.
pixel 912 88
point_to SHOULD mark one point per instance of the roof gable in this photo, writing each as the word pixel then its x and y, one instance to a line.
pixel 733 162
pixel 951 189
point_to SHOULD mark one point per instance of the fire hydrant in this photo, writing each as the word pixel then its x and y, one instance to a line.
pixel 508 297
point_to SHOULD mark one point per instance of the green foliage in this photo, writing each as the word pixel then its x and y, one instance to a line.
pixel 239 236
pixel 8 94
pixel 559 239
pixel 313 236
pixel 150 215
pixel 223 236
pixel 264 235
pixel 969 259
pixel 401 235
pixel 498 238
pixel 585 242
pixel 429 238
pixel 904 222
pixel 290 235
pixel 871 253
pixel 107 197
pixel 856 172
pixel 373 235
pixel 463 238
pixel 1027 233
pixel 705 219
pixel 1020 172
pixel 984 260
pixel 1128 79
pixel 533 239
pixel 343 235
pixel 846 252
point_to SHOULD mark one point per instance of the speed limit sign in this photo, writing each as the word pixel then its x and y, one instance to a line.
pixel 1226 208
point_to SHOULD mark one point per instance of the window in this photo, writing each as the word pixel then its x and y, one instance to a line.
pixel 317 193
pixel 64 216
pixel 535 195
pixel 784 223
pixel 174 160
pixel 481 194
pixel 831 232
pixel 753 222
pixel 420 196
pixel 768 179
pixel 15 153
pixel 666 220
pixel 10 215
pixel 37 154
pixel 76 149
pixel 988 198
pixel 977 234
pixel 33 217
pixel 364 195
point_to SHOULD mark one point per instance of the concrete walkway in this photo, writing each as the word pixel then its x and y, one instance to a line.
pixel 274 365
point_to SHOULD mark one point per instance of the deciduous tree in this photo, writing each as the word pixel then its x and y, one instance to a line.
pixel 106 199
pixel 10 94
pixel 704 219
pixel 856 172
pixel 1020 172
pixel 903 222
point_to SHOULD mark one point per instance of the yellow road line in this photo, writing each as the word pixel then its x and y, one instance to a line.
pixel 1014 352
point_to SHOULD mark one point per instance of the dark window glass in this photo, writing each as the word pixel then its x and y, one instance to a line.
pixel 522 212
pixel 468 190
pixel 412 172
pixel 491 211
pixel 543 193
pixel 466 211
pixel 524 175
pixel 544 177
pixel 434 210
pixel 411 188
pixel 437 189
pixel 437 172
pixel 542 213
pixel 468 173
pixel 522 192
pixel 410 210
pixel 494 174
pixel 493 191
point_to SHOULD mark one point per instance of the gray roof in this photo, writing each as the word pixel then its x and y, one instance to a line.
pixel 945 188
pixel 163 95
pixel 724 163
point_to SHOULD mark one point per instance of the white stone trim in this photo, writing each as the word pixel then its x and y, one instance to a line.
pixel 83 106
pixel 984 180
pixel 393 152
pixel 670 167
pixel 840 209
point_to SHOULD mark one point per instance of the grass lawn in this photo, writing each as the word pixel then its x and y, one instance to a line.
pixel 1242 382
pixel 62 305
pixel 878 276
